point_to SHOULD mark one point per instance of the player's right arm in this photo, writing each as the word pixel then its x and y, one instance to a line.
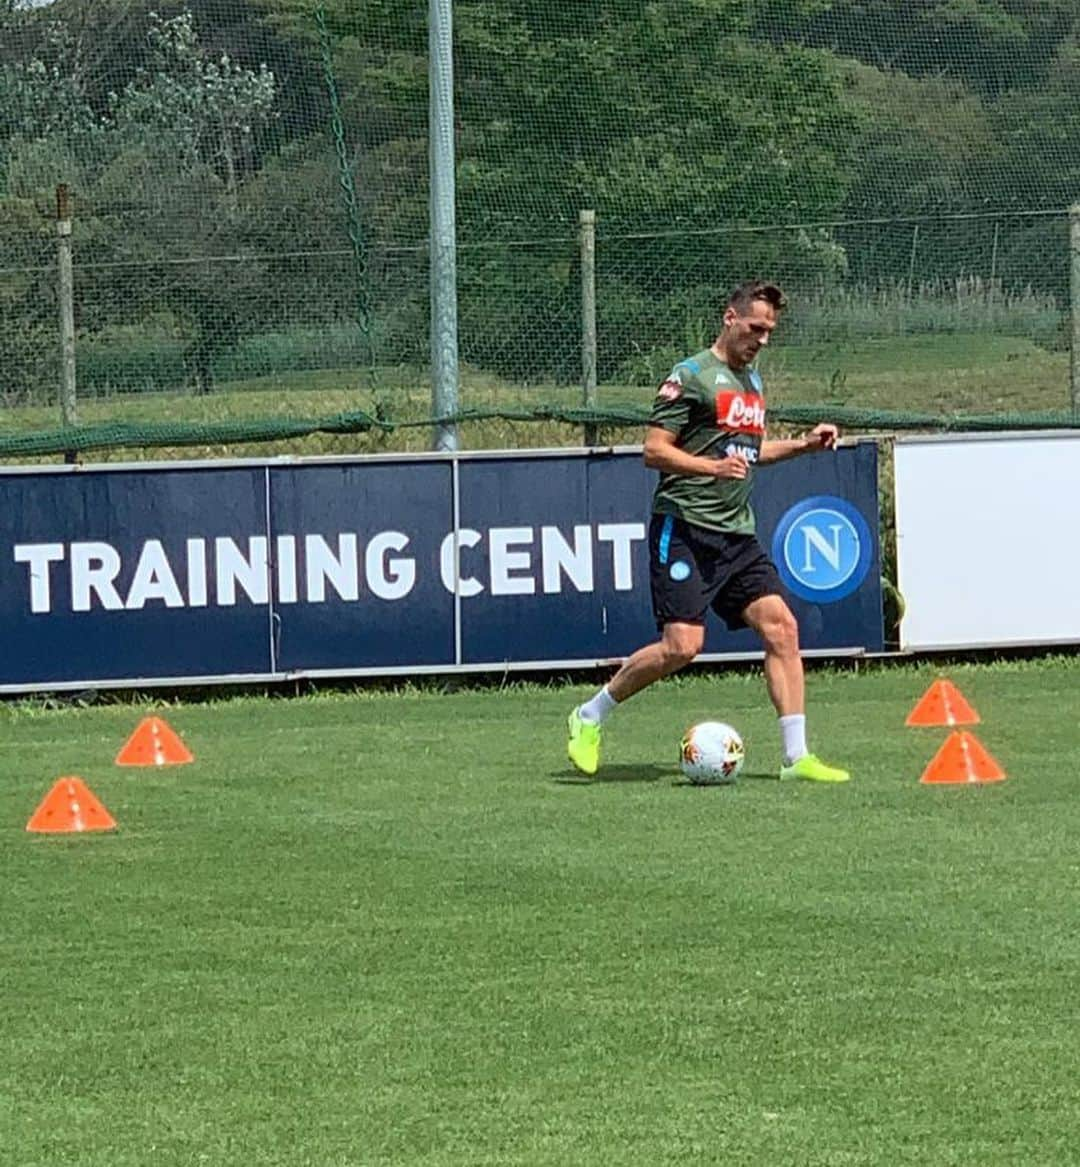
pixel 669 418
pixel 663 453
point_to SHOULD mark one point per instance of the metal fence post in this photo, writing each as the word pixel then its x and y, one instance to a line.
pixel 68 415
pixel 443 248
pixel 587 220
pixel 911 261
pixel 1074 296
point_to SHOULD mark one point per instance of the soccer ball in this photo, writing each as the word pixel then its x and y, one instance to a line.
pixel 711 753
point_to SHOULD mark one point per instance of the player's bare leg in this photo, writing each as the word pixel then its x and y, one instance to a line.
pixel 677 647
pixel 785 680
pixel 773 621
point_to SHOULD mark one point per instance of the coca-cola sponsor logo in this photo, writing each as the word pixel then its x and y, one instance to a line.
pixel 742 412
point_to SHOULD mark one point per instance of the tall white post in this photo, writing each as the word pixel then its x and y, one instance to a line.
pixel 443 245
pixel 1074 285
pixel 587 223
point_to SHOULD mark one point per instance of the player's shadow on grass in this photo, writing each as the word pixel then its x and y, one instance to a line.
pixel 759 776
pixel 650 772
pixel 745 776
pixel 647 772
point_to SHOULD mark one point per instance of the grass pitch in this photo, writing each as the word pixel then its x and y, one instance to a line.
pixel 393 928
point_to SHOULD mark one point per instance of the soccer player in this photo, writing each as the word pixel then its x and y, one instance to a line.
pixel 706 436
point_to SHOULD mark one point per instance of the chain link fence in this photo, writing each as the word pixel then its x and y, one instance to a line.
pixel 249 186
pixel 200 323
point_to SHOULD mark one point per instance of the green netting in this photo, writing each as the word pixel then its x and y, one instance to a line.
pixel 250 186
pixel 179 435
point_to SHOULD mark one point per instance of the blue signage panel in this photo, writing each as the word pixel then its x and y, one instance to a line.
pixel 264 570
pixel 818 519
pixel 134 574
pixel 558 566
pixel 359 565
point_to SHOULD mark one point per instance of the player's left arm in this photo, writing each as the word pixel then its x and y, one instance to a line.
pixel 821 437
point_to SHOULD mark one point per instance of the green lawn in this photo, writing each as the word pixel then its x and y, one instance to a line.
pixel 392 928
pixel 936 374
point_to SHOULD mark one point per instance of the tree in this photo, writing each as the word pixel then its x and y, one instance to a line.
pixel 989 45
pixel 670 122
pixel 202 108
pixel 919 144
pixel 28 350
pixel 156 166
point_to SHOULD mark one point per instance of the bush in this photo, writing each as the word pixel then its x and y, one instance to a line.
pixel 127 361
pixel 968 306
pixel 130 360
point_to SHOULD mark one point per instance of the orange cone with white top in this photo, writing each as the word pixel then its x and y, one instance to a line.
pixel 70 807
pixel 942 704
pixel 961 760
pixel 153 744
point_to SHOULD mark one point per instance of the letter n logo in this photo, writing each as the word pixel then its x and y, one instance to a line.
pixel 823 548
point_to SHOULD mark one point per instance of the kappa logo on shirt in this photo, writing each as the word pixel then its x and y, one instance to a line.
pixel 742 412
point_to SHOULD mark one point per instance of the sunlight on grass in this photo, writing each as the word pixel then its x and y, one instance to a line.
pixel 943 374
pixel 388 927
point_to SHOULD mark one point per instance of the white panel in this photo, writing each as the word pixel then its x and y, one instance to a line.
pixel 988 539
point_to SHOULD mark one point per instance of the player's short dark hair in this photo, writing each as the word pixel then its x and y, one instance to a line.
pixel 750 290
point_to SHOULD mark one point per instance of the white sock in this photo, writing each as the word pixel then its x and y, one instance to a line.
pixel 793 734
pixel 598 708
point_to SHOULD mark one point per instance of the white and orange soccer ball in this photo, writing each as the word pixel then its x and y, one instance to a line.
pixel 711 753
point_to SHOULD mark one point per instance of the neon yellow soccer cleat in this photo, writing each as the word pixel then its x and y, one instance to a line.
pixel 583 743
pixel 810 768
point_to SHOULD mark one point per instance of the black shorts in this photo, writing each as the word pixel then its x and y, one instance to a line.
pixel 692 569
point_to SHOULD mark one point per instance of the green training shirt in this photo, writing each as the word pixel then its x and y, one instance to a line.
pixel 715 412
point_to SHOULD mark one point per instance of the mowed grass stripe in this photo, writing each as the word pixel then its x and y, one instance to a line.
pixel 393 928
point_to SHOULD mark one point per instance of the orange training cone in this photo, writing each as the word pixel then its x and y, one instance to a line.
pixel 942 704
pixel 153 744
pixel 962 759
pixel 69 806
